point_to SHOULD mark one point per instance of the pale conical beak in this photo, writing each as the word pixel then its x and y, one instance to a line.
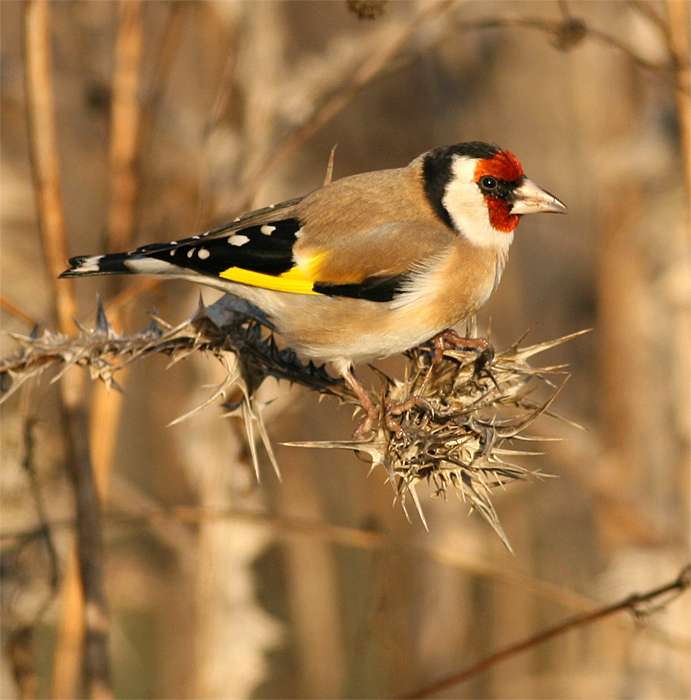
pixel 531 199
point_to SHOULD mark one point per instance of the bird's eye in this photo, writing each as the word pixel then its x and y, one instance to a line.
pixel 488 183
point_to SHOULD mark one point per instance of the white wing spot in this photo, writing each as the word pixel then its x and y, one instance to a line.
pixel 238 240
pixel 267 230
pixel 203 253
pixel 173 251
pixel 298 233
pixel 237 218
pixel 190 252
pixel 173 243
pixel 196 238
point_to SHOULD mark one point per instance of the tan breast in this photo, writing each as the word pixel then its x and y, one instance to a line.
pixel 456 285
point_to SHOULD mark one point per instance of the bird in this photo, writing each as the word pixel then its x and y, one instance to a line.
pixel 368 265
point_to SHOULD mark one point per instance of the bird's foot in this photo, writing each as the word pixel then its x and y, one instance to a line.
pixel 366 428
pixel 451 339
pixel 394 410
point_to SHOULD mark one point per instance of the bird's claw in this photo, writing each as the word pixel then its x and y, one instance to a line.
pixel 451 339
pixel 365 429
pixel 393 410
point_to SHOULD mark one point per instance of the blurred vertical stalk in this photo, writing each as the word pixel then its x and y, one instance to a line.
pixel 679 13
pixel 46 175
pixel 679 17
pixel 125 121
pixel 106 405
pixel 124 139
pixel 313 596
pixel 234 634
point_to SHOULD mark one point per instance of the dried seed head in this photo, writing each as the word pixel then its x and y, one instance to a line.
pixel 453 424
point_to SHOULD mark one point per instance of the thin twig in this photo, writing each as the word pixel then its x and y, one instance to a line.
pixel 14 310
pixel 39 501
pixel 566 34
pixel 634 603
pixel 45 171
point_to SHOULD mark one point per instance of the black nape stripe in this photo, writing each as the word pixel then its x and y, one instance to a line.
pixel 370 289
pixel 436 171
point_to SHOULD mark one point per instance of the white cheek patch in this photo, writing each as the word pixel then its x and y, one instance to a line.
pixel 467 207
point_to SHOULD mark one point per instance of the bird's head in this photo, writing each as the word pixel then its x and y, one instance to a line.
pixel 481 191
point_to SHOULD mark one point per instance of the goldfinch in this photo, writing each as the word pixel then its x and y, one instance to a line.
pixel 366 266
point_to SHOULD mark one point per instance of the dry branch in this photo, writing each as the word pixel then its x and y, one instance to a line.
pixel 638 604
pixel 451 422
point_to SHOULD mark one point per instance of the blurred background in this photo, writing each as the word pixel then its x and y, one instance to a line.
pixel 173 116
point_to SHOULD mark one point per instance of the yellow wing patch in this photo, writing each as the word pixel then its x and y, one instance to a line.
pixel 298 280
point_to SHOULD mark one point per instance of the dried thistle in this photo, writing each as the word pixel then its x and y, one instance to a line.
pixel 451 422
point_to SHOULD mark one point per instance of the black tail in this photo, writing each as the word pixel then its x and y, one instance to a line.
pixel 87 265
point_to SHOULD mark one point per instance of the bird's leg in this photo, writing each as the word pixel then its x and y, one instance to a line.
pixel 450 338
pixel 366 427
